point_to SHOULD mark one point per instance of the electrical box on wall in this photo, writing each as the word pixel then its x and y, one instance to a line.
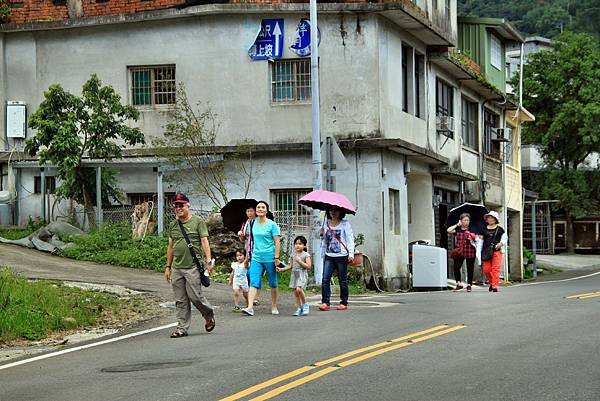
pixel 16 119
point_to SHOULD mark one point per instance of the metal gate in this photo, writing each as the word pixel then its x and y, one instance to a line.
pixel 543 223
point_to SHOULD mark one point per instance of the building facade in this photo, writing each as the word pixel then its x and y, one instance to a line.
pixel 416 126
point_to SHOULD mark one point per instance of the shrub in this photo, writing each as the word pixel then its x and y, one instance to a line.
pixel 112 244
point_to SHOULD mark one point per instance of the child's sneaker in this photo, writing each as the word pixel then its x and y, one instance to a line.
pixel 305 309
pixel 248 311
pixel 298 312
pixel 236 309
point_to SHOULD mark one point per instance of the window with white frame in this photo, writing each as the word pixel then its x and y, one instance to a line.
pixel 496 52
pixel 290 81
pixel 394 195
pixel 152 85
pixel 469 123
pixel 419 85
pixel 406 55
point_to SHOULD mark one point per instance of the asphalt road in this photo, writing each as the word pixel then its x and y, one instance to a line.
pixel 526 342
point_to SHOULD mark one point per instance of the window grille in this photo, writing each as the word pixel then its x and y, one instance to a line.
pixel 290 81
pixel 286 200
pixel 152 86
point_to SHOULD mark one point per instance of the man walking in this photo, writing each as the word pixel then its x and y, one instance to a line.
pixel 181 270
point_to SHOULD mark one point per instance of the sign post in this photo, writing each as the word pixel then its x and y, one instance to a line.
pixel 316 136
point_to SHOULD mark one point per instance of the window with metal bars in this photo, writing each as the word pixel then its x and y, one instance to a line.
pixel 287 199
pixel 153 86
pixel 290 81
pixel 490 125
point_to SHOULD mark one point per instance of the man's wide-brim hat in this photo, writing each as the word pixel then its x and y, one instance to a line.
pixel 493 214
pixel 181 198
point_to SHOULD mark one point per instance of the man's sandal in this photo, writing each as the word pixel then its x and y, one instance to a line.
pixel 178 333
pixel 210 325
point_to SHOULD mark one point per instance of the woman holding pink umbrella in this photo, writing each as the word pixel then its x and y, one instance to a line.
pixel 337 242
pixel 337 245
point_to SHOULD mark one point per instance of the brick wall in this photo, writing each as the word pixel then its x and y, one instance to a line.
pixel 52 10
pixel 36 10
pixel 46 10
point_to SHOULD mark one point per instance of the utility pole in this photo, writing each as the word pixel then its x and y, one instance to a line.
pixel 316 135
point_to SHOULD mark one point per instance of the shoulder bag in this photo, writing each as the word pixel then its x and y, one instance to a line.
pixel 204 279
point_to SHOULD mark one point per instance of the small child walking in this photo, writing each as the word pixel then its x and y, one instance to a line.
pixel 300 264
pixel 238 279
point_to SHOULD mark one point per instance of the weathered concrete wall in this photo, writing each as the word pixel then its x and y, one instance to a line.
pixel 210 54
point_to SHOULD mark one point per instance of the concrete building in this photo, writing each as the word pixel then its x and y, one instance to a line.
pixel 417 127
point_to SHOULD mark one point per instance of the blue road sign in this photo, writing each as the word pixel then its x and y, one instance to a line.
pixel 302 44
pixel 269 41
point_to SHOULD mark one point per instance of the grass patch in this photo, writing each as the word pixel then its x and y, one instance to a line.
pixel 33 310
pixel 15 233
pixel 113 245
pixel 18 233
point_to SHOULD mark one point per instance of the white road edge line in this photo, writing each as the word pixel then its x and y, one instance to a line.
pixel 554 281
pixel 82 347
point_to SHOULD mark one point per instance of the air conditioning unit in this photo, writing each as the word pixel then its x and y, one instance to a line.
pixel 502 133
pixel 472 191
pixel 444 124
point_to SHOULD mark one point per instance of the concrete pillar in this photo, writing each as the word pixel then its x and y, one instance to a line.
pixel 515 251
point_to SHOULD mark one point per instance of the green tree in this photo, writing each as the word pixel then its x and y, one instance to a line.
pixel 562 89
pixel 70 128
pixel 539 17
pixel 190 145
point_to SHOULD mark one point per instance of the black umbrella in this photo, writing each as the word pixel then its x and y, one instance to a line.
pixel 234 213
pixel 476 211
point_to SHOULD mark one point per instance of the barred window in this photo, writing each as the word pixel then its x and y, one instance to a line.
pixel 151 86
pixel 285 203
pixel 290 81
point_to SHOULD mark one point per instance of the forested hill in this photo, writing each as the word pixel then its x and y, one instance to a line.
pixel 539 17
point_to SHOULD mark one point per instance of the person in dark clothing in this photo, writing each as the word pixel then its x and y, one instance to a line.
pixel 491 253
pixel 463 250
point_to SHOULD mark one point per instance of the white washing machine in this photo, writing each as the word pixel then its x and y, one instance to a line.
pixel 429 268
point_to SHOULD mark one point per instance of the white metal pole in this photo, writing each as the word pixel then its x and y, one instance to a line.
pixel 160 197
pixel 316 134
pixel 98 197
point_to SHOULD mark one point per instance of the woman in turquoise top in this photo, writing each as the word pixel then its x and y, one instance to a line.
pixel 265 256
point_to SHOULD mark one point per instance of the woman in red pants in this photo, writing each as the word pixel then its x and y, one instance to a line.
pixel 491 253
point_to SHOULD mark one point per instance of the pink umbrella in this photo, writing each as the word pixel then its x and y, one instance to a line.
pixel 324 200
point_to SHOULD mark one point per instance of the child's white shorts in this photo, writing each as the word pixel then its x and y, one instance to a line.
pixel 239 286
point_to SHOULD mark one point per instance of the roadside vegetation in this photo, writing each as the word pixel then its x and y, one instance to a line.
pixel 33 310
pixel 18 233
pixel 113 245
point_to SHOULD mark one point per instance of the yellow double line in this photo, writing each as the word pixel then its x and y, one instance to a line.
pixel 585 296
pixel 363 354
